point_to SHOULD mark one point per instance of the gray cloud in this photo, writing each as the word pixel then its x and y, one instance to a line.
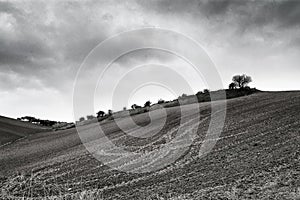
pixel 43 44
pixel 285 13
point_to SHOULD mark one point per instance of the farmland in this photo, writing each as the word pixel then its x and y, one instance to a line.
pixel 256 157
pixel 11 129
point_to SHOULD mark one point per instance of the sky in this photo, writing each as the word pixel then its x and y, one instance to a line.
pixel 43 45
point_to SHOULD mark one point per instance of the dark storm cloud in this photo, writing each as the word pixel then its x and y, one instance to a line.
pixel 258 14
pixel 22 51
pixel 179 7
pixel 248 13
pixel 42 41
pixel 287 12
pixel 42 44
pixel 9 7
pixel 17 44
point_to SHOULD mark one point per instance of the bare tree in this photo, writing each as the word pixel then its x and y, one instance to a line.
pixel 241 80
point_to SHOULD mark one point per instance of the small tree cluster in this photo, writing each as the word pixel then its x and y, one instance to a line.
pixel 38 121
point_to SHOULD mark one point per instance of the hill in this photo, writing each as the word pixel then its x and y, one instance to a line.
pixel 256 157
pixel 11 129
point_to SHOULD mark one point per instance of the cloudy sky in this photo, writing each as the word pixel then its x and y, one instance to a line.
pixel 43 44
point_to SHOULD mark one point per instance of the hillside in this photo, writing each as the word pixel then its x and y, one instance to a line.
pixel 11 129
pixel 256 157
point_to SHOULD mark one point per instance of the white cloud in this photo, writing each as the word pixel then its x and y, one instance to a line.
pixel 7 23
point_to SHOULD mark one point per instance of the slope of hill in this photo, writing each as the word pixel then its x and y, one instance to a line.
pixel 11 129
pixel 256 157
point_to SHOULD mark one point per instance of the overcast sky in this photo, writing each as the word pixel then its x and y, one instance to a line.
pixel 42 45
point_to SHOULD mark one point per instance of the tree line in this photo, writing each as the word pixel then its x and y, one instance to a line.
pixel 37 121
pixel 239 82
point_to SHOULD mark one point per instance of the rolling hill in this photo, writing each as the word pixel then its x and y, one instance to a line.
pixel 11 129
pixel 256 157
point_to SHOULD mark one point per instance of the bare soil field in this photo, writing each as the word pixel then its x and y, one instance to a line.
pixel 256 157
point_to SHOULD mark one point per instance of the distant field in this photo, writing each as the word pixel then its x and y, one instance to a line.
pixel 256 157
pixel 11 129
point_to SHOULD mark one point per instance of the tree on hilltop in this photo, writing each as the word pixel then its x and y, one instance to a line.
pixel 160 101
pixel 147 104
pixel 241 80
pixel 135 106
pixel 81 119
pixel 100 114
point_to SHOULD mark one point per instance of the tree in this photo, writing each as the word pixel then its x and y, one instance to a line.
pixel 147 104
pixel 205 91
pixel 160 101
pixel 81 119
pixel 134 106
pixel 100 114
pixel 184 95
pixel 241 80
pixel 124 108
pixel 232 86
pixel 110 112
pixel 199 93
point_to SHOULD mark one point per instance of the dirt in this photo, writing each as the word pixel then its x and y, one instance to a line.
pixel 255 157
